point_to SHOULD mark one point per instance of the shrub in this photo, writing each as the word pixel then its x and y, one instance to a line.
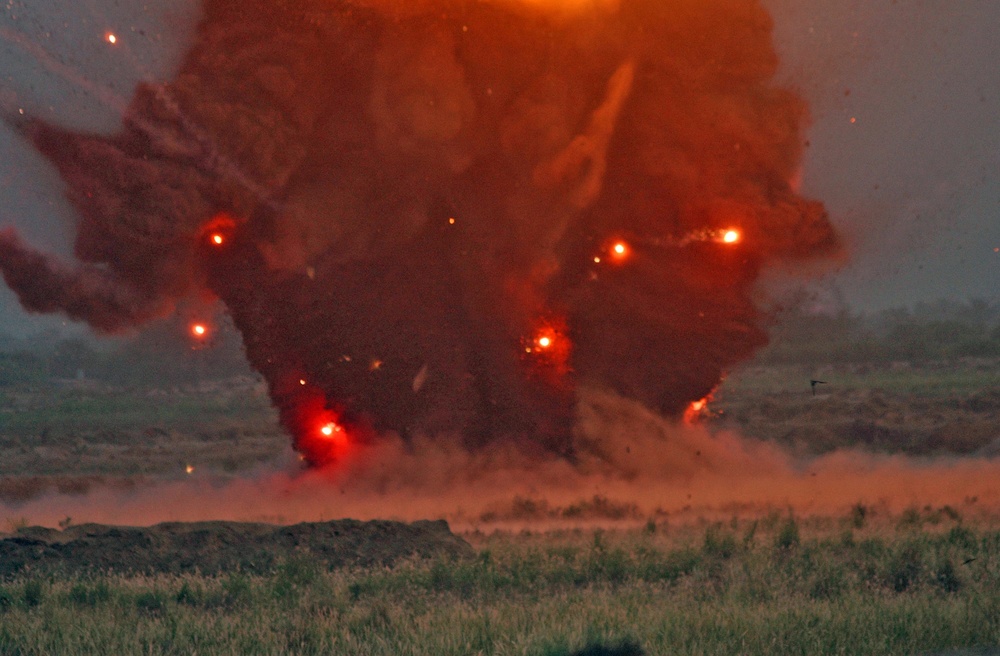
pixel 946 577
pixel 904 567
pixel 719 543
pixel 32 593
pixel 190 595
pixel 788 535
pixel 152 602
pixel 85 595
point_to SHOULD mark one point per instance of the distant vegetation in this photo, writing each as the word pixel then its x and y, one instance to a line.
pixel 165 353
pixel 928 331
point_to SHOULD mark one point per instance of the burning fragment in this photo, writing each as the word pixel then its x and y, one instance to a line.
pixel 307 163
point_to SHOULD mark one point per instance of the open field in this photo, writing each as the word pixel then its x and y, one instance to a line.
pixel 918 583
pixel 921 408
pixel 868 580
pixel 68 434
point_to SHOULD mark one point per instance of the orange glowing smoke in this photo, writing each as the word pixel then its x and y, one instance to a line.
pixel 694 411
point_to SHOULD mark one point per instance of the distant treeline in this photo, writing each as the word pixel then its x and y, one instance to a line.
pixel 166 353
pixel 940 330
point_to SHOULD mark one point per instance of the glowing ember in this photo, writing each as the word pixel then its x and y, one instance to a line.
pixel 545 342
pixel 620 249
pixel 199 330
pixel 218 239
pixel 731 236
pixel 111 38
pixel 189 469
pixel 330 429
pixel 695 409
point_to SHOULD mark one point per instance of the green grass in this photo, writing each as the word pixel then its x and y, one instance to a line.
pixel 761 587
pixel 927 379
pixel 72 410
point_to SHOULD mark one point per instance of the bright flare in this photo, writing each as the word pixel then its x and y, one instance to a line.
pixel 330 429
pixel 545 342
pixel 620 249
pixel 218 239
pixel 199 330
pixel 731 236
pixel 111 38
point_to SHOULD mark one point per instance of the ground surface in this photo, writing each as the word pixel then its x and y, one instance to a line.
pixel 215 547
pixel 73 435
pixel 928 408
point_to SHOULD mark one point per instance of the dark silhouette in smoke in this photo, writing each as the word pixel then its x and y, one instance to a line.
pixel 445 216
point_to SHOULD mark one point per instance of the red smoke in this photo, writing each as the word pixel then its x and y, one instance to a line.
pixel 393 202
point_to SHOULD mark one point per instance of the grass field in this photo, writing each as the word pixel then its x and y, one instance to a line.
pixel 922 582
pixel 863 582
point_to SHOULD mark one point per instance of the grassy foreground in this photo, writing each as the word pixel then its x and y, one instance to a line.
pixel 924 582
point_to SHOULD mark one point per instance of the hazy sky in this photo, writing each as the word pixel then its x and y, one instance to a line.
pixel 905 141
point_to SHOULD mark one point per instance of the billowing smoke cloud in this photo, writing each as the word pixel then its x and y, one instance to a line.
pixel 445 217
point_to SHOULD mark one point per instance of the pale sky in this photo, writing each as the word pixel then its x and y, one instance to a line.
pixel 913 183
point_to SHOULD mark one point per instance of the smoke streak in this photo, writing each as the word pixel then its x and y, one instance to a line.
pixel 420 191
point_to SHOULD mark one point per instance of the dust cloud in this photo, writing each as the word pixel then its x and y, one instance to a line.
pixel 633 466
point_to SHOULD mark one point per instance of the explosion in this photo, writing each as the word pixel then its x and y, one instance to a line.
pixel 390 199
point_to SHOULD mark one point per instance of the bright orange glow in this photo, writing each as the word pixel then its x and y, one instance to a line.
pixel 330 429
pixel 111 38
pixel 189 469
pixel 545 342
pixel 199 330
pixel 731 236
pixel 218 239
pixel 620 249
pixel 694 411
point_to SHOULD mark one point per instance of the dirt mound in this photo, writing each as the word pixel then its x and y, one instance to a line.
pixel 213 547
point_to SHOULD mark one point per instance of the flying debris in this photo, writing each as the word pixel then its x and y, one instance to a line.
pixel 309 161
pixel 814 383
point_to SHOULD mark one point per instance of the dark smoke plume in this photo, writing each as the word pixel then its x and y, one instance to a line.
pixel 411 210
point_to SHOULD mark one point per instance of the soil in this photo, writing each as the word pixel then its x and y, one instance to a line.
pixel 213 547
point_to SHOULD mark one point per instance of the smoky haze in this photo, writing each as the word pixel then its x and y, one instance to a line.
pixel 449 217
